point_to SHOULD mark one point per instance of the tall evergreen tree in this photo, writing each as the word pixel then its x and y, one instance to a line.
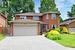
pixel 48 5
pixel 61 20
pixel 72 13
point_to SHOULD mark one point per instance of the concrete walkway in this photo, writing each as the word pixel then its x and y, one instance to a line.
pixel 30 43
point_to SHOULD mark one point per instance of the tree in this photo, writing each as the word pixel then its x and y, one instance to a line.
pixel 11 7
pixel 27 6
pixel 2 6
pixel 48 5
pixel 61 20
pixel 72 13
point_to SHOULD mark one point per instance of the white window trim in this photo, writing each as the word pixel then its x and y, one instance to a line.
pixel 53 16
pixel 22 17
pixel 35 17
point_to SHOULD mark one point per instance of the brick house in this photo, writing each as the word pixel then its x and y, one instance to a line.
pixel 35 22
pixel 3 22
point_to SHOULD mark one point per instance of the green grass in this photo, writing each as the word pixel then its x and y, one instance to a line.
pixel 67 40
pixel 1 37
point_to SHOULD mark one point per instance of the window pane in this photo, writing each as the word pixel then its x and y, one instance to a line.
pixel 22 17
pixel 35 17
pixel 53 16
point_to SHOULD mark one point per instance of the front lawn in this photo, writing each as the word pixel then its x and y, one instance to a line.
pixel 64 38
pixel 67 40
pixel 1 37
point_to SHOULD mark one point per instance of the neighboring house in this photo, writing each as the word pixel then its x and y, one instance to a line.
pixel 34 23
pixel 69 24
pixel 3 22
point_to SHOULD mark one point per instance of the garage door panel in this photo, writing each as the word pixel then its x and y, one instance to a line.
pixel 72 29
pixel 25 30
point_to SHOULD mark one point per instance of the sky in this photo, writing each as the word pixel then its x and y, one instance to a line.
pixel 63 6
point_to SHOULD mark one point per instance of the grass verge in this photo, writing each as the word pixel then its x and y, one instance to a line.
pixel 67 40
pixel 1 37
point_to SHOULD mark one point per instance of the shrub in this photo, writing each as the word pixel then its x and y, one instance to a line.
pixel 58 29
pixel 53 32
pixel 65 30
pixel 53 35
pixel 46 34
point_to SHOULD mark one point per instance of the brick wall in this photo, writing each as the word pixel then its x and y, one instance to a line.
pixel 3 22
pixel 30 17
pixel 53 21
pixel 50 20
pixel 17 17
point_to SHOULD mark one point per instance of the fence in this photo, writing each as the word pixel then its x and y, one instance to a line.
pixel 6 30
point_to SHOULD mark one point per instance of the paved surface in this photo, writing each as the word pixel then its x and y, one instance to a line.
pixel 30 43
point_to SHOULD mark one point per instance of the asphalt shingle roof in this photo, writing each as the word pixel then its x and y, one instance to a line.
pixel 67 22
pixel 37 14
pixel 27 21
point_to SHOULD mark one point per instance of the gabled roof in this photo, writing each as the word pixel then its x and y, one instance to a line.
pixel 67 22
pixel 37 14
pixel 71 18
pixel 31 14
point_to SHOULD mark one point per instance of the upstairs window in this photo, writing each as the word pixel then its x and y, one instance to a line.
pixel 22 17
pixel 53 16
pixel 35 17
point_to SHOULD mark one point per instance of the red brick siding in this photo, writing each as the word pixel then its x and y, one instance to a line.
pixel 3 22
pixel 44 18
pixel 30 17
pixel 0 29
pixel 38 28
pixel 17 17
pixel 40 18
pixel 12 29
pixel 53 21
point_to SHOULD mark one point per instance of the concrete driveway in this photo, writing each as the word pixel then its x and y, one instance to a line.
pixel 30 43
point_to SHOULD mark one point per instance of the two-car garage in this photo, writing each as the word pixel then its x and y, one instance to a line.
pixel 25 28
